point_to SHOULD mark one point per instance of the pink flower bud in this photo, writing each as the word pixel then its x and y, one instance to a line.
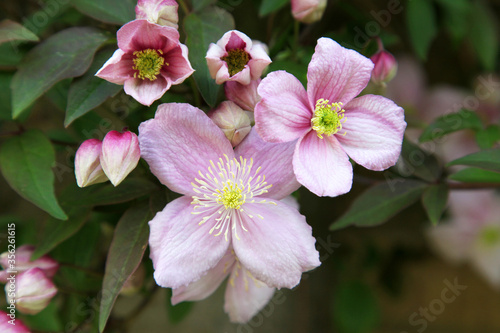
pixel 88 169
pixel 33 291
pixel 385 67
pixel 308 11
pixel 23 262
pixel 10 324
pixel 162 12
pixel 119 155
pixel 245 96
pixel 232 120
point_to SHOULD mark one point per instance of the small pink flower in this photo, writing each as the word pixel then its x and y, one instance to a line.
pixel 232 120
pixel 148 61
pixel 10 324
pixel 329 123
pixel 22 258
pixel 308 11
pixel 385 67
pixel 231 200
pixel 119 155
pixel 245 96
pixel 236 58
pixel 88 169
pixel 162 12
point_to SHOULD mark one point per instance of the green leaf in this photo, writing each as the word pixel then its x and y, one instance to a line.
pixel 451 122
pixel 202 29
pixel 176 313
pixel 64 55
pixel 488 137
pixel 483 34
pixel 26 161
pixel 5 98
pixel 486 159
pixel 417 162
pixel 125 254
pixel 475 175
pixel 198 5
pixel 110 11
pixel 13 31
pixel 47 320
pixel 269 6
pixel 356 308
pixel 434 201
pixel 10 54
pixel 89 91
pixel 422 27
pixel 380 202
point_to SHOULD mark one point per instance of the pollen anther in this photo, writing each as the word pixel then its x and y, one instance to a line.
pixel 328 118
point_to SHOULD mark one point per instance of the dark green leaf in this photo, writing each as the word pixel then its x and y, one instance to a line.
pixel 202 29
pixel 297 70
pixel 488 137
pixel 417 162
pixel 176 313
pixel 269 6
pixel 485 159
pixel 47 320
pixel 89 91
pixel 422 27
pixel 483 34
pixel 64 55
pixel 198 5
pixel 451 122
pixel 434 201
pixel 380 202
pixel 125 254
pixel 11 31
pixel 109 11
pixel 5 98
pixel 26 161
pixel 474 175
pixel 58 94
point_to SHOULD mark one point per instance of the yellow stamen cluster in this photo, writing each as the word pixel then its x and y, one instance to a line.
pixel 236 60
pixel 148 63
pixel 328 118
pixel 230 196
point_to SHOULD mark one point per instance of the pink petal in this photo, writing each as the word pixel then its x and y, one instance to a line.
pixel 245 96
pixel 374 129
pixel 336 73
pixel 88 168
pixel 179 142
pixel 235 39
pixel 284 113
pixel 33 291
pixel 275 159
pixel 146 91
pixel 214 62
pixel 118 68
pixel 140 35
pixel 162 12
pixel 182 250
pixel 277 248
pixel 119 155
pixel 259 61
pixel 179 67
pixel 322 166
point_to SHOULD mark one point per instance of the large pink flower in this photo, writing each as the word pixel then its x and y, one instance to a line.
pixel 148 61
pixel 231 199
pixel 328 121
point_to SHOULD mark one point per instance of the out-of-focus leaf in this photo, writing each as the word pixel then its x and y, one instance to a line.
pixel 488 137
pixel 26 161
pixel 269 6
pixel 416 162
pixel 11 31
pixel 475 175
pixel 202 29
pixel 110 11
pixel 47 320
pixel 434 201
pixel 422 27
pixel 89 91
pixel 451 122
pixel 455 13
pixel 198 5
pixel 176 313
pixel 58 94
pixel 64 55
pixel 10 54
pixel 379 203
pixel 297 70
pixel 483 34
pixel 5 98
pixel 485 159
pixel 125 254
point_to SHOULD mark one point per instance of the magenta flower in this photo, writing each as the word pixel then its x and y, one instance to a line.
pixel 119 155
pixel 148 61
pixel 22 258
pixel 245 96
pixel 236 58
pixel 10 324
pixel 308 11
pixel 232 120
pixel 88 168
pixel 231 199
pixel 162 12
pixel 328 121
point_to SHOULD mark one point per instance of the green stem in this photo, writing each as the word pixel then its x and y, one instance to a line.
pixel 184 7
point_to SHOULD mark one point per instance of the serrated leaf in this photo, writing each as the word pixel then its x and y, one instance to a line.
pixel 434 200
pixel 451 122
pixel 485 159
pixel 125 254
pixel 176 313
pixel 26 161
pixel 475 175
pixel 64 55
pixel 380 202
pixel 110 11
pixel 89 91
pixel 13 31
pixel 483 34
pixel 416 162
pixel 422 26
pixel 488 137
pixel 269 6
pixel 202 29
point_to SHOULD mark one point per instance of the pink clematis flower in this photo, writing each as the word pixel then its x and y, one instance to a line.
pixel 328 121
pixel 231 200
pixel 162 12
pixel 308 11
pixel 236 58
pixel 245 96
pixel 119 155
pixel 6 325
pixel 148 61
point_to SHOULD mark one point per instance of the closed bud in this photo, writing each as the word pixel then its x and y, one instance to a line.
pixel 385 67
pixel 23 262
pixel 245 96
pixel 232 120
pixel 10 324
pixel 119 155
pixel 308 11
pixel 162 12
pixel 88 169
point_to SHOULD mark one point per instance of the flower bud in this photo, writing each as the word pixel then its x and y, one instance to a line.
pixel 33 291
pixel 245 96
pixel 162 12
pixel 308 11
pixel 385 67
pixel 88 169
pixel 23 262
pixel 119 155
pixel 10 324
pixel 232 120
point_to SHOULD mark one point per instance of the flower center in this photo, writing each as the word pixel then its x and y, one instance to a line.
pixel 231 196
pixel 148 63
pixel 236 60
pixel 328 118
pixel 490 236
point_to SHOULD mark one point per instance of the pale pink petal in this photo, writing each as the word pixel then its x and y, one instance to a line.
pixel 141 34
pixel 335 73
pixel 243 77
pixel 23 261
pixel 234 39
pixel 182 250
pixel 162 12
pixel 179 142
pixel 146 91
pixel 259 61
pixel 275 160
pixel 119 155
pixel 322 166
pixel 308 11
pixel 374 127
pixel 88 168
pixel 284 113
pixel 278 245
pixel 33 291
pixel 214 62
pixel 179 68
pixel 232 120
pixel 291 201
pixel 245 96
pixel 118 68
